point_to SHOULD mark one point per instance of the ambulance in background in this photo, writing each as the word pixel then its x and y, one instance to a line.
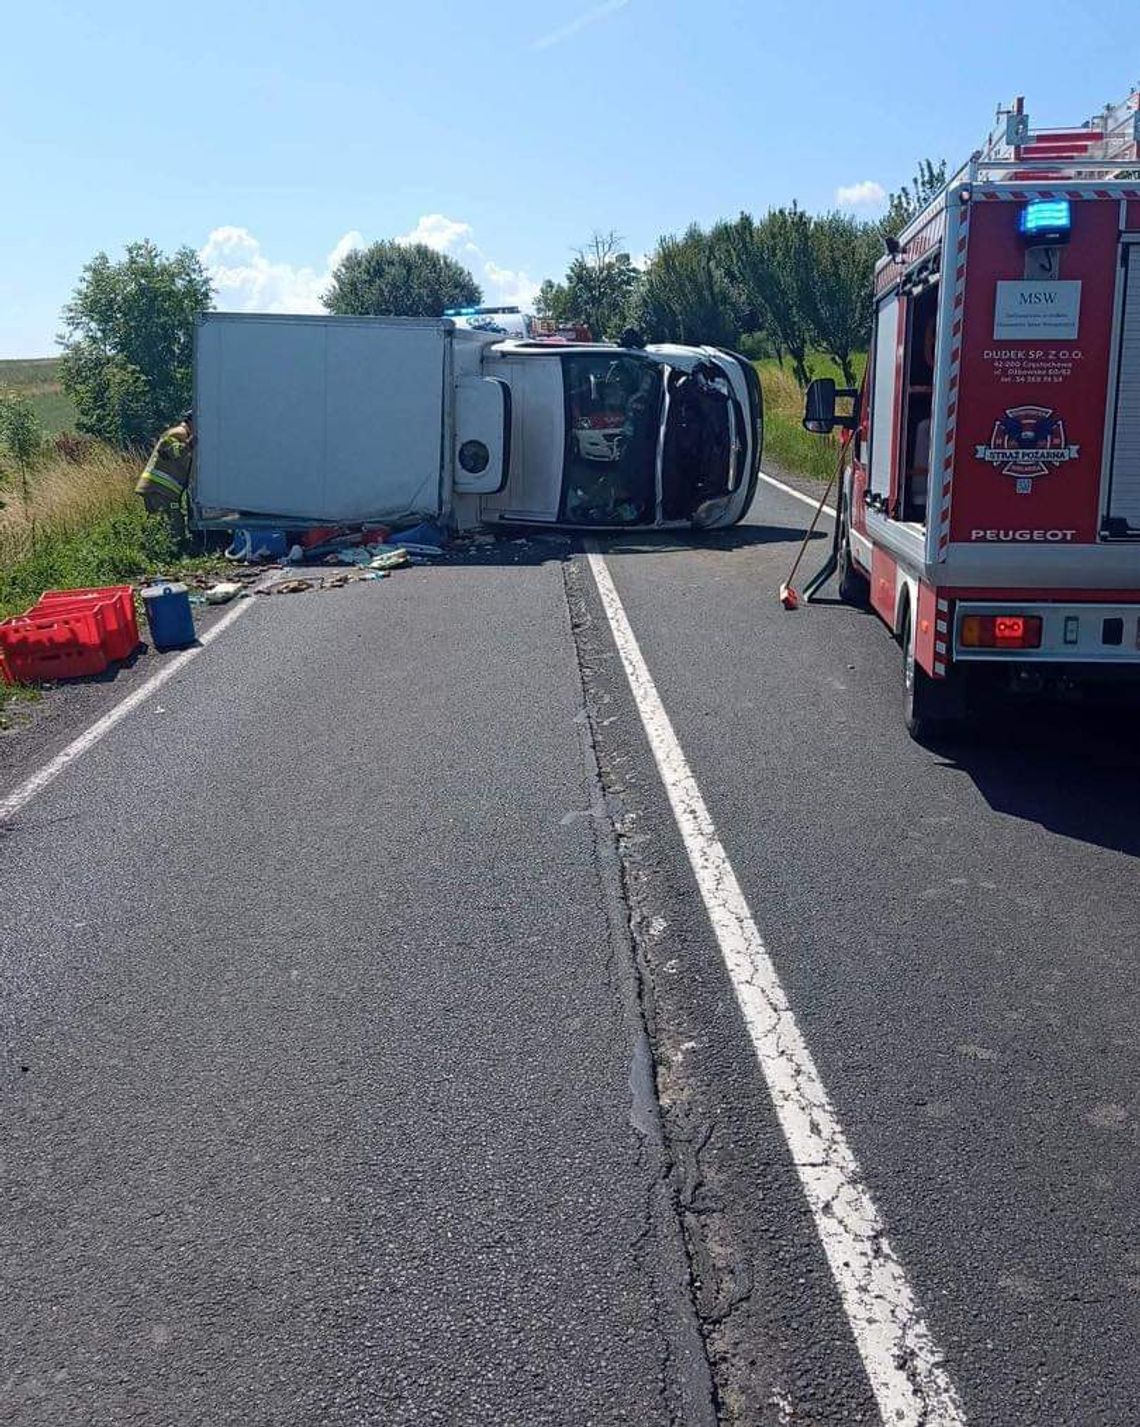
pixel 990 501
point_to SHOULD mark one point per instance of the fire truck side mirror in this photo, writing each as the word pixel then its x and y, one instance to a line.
pixel 820 416
pixel 819 407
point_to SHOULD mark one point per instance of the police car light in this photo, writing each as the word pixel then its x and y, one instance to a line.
pixel 1046 220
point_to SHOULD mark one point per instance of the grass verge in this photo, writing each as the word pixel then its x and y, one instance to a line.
pixel 786 443
pixel 82 527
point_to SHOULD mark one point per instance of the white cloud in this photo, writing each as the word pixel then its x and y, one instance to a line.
pixel 588 17
pixel 439 233
pixel 503 287
pixel 246 281
pixel 867 194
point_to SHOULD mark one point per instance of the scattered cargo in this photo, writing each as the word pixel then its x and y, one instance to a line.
pixel 69 634
pixel 169 616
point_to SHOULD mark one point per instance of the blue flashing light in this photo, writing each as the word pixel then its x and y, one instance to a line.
pixel 1046 218
pixel 476 311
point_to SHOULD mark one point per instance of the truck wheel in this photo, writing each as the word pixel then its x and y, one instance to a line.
pixel 929 710
pixel 854 587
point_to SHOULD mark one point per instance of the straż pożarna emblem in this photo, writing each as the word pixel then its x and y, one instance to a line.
pixel 1027 442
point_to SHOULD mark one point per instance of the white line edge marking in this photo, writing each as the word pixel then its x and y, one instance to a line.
pixel 903 1364
pixel 17 800
pixel 813 501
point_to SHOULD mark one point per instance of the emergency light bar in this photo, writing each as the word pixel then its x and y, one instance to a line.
pixel 1046 221
pixel 478 311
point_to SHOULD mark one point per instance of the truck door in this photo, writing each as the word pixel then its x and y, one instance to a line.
pixel 1124 458
pixel 538 435
pixel 885 402
pixel 482 435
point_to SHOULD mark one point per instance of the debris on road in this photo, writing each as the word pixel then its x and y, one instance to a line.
pixel 426 535
pixel 390 560
pixel 69 634
pixel 101 625
pixel 223 592
pixel 290 587
pixel 254 546
pixel 169 616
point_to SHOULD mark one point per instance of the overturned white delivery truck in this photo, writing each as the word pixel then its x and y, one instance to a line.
pixel 342 420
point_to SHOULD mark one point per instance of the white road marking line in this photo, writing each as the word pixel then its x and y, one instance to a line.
pixel 813 501
pixel 15 801
pixel 902 1361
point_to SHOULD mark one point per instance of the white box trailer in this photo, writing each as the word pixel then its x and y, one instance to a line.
pixel 338 420
pixel 307 421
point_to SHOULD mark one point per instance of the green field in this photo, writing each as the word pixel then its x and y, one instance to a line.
pixel 38 379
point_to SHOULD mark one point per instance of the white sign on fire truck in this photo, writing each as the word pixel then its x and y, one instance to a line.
pixel 1037 311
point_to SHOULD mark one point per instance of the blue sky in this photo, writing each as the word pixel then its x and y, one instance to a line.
pixel 273 137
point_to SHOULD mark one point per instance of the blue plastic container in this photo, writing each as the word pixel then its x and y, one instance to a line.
pixel 169 616
pixel 254 545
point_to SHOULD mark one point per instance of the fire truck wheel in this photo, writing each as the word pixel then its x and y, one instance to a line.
pixel 923 711
pixel 854 587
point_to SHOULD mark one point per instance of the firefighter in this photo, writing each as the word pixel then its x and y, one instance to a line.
pixel 166 476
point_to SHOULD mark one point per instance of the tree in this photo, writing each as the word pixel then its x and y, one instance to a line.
pixel 553 301
pixel 766 266
pixel 21 438
pixel 912 198
pixel 390 279
pixel 683 296
pixel 835 286
pixel 599 285
pixel 128 341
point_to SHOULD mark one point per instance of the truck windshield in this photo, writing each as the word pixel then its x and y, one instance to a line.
pixel 613 414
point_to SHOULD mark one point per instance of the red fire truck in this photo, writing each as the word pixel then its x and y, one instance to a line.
pixel 990 497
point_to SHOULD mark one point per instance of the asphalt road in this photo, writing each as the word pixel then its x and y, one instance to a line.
pixel 369 1056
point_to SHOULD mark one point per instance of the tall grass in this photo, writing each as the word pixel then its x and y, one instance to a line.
pixel 80 526
pixel 786 444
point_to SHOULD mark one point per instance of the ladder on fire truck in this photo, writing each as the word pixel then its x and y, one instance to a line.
pixel 1107 146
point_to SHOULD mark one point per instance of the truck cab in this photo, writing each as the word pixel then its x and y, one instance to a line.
pixel 612 437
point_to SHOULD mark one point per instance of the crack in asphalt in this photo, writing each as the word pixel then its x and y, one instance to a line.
pixel 610 826
pixel 679 1177
pixel 886 1319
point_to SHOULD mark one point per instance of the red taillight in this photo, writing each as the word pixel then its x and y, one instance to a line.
pixel 1009 629
pixel 1000 631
